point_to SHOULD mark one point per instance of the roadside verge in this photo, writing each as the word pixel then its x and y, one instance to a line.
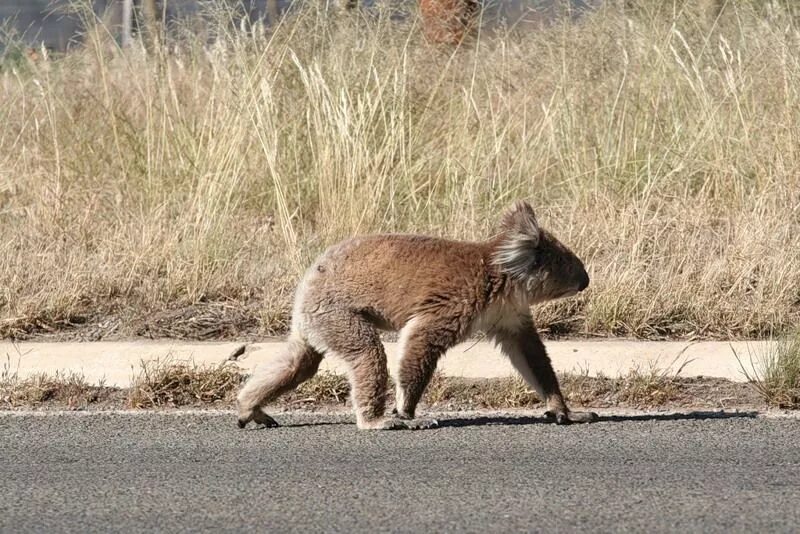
pixel 116 364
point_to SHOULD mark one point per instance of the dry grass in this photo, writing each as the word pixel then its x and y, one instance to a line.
pixel 493 393
pixel 138 188
pixel 324 387
pixel 168 384
pixel 163 383
pixel 638 389
pixel 70 390
pixel 775 372
pixel 649 388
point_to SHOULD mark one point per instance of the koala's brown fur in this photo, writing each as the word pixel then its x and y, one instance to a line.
pixel 435 292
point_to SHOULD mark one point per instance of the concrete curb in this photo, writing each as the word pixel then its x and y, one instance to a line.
pixel 105 362
pixel 117 363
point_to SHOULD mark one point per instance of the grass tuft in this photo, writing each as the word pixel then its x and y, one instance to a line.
pixel 164 383
pixel 324 387
pixel 649 388
pixel 493 394
pixel 70 390
pixel 775 371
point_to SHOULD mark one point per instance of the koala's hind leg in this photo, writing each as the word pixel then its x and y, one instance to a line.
pixel 526 351
pixel 349 336
pixel 422 342
pixel 274 378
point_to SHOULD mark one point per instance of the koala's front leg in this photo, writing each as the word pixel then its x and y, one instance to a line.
pixel 422 342
pixel 526 351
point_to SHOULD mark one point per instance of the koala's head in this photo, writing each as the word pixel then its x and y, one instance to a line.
pixel 534 259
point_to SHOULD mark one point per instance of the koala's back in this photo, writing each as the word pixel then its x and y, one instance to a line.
pixel 394 277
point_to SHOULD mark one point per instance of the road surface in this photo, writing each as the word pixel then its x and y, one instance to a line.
pixel 199 473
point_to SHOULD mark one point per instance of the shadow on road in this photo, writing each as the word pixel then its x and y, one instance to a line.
pixel 511 420
pixel 318 423
pixel 527 420
pixel 254 427
pixel 688 416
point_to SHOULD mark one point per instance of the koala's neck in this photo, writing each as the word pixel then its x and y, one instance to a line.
pixel 504 307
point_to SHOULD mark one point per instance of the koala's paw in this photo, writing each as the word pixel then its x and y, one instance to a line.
pixel 567 418
pixel 259 418
pixel 396 423
pixel 422 424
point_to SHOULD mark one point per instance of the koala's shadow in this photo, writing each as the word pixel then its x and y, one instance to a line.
pixel 300 425
pixel 521 420
pixel 510 420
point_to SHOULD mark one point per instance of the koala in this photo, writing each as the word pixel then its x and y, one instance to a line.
pixel 435 293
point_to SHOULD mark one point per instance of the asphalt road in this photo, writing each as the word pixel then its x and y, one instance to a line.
pixel 192 473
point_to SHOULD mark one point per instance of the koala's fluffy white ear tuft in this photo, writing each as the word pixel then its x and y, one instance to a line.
pixel 516 254
pixel 521 220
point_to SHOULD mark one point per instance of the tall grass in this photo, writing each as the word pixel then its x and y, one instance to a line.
pixel 661 147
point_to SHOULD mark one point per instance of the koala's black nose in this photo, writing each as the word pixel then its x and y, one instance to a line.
pixel 584 283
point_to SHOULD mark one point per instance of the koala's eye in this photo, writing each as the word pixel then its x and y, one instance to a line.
pixel 537 259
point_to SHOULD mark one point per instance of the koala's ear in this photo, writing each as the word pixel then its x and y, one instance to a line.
pixel 521 220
